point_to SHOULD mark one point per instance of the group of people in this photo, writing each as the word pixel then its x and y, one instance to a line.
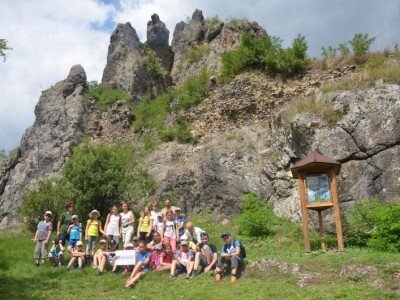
pixel 164 241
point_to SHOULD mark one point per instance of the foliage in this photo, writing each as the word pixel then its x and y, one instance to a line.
pixel 374 224
pixel 267 54
pixel 181 132
pixel 375 62
pixel 153 65
pixel 361 43
pixel 3 154
pixel 197 52
pixel 237 22
pixel 328 52
pixel 256 217
pixel 212 21
pixel 105 96
pixel 3 48
pixel 343 49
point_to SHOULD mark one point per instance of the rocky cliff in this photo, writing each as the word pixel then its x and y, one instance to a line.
pixel 248 138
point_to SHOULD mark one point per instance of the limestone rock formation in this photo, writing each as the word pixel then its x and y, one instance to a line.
pixel 59 126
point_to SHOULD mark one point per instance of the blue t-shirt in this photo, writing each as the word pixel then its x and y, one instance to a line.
pixel 44 229
pixel 181 219
pixel 230 248
pixel 56 251
pixel 74 234
pixel 142 256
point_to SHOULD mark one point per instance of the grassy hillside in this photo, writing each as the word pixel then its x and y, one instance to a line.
pixel 20 279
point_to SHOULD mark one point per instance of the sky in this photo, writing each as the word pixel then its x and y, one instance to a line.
pixel 47 37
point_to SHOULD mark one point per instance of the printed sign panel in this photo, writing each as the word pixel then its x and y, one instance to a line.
pixel 318 188
pixel 125 257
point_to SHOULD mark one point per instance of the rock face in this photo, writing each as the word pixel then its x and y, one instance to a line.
pixel 58 127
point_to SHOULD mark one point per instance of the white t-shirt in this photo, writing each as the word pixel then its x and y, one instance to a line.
pixel 154 217
pixel 170 229
pixel 113 225
pixel 159 227
pixel 125 217
pixel 196 236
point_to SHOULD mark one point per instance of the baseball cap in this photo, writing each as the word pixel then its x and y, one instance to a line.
pixel 79 243
pixel 74 217
pixel 225 234
pixel 184 242
pixel 112 242
pixel 48 213
pixel 177 209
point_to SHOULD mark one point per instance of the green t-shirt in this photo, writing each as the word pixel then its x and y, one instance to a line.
pixel 65 221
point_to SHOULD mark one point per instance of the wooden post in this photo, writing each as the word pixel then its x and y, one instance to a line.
pixel 336 211
pixel 304 212
pixel 321 232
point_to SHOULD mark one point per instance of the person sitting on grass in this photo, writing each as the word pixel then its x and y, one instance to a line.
pixel 77 256
pixel 107 258
pixel 142 266
pixel 166 258
pixel 56 255
pixel 156 249
pixel 75 233
pixel 206 255
pixel 230 257
pixel 135 243
pixel 41 239
pixel 127 268
pixel 92 232
pixel 193 233
pixel 183 262
pixel 99 254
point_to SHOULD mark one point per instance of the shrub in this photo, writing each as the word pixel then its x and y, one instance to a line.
pixel 257 217
pixel 328 52
pixel 181 132
pixel 212 21
pixel 375 62
pixel 343 49
pixel 105 96
pixel 361 43
pixel 153 65
pixel 237 22
pixel 196 53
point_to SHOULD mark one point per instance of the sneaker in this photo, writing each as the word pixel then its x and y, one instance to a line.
pixel 218 278
pixel 59 265
pixel 187 276
pixel 193 276
pixel 233 280
pixel 172 277
pixel 99 273
pixel 37 264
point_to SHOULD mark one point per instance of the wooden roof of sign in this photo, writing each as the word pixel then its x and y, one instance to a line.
pixel 315 162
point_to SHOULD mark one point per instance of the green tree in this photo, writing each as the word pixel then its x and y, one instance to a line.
pixel 3 48
pixel 328 52
pixel 344 49
pixel 361 43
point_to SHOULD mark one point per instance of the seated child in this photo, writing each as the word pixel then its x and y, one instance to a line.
pixel 142 265
pixel 99 253
pixel 78 255
pixel 156 248
pixel 166 258
pixel 107 258
pixel 127 268
pixel 56 255
pixel 183 261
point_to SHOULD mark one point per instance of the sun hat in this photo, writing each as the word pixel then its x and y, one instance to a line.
pixel 48 213
pixel 74 217
pixel 128 245
pixel 103 241
pixel 225 234
pixel 178 208
pixel 79 243
pixel 184 242
pixel 94 211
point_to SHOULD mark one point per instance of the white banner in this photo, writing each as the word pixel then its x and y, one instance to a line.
pixel 125 257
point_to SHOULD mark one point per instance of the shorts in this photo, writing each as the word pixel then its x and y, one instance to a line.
pixel 181 268
pixel 63 237
pixel 72 243
pixel 203 261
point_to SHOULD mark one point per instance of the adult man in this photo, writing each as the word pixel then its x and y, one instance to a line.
pixel 230 256
pixel 193 233
pixel 206 255
pixel 168 206
pixel 64 221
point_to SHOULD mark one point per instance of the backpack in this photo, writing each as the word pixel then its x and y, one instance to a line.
pixel 242 250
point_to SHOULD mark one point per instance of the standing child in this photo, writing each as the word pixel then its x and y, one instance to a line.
pixel 77 255
pixel 113 224
pixel 75 233
pixel 99 254
pixel 56 255
pixel 160 225
pixel 145 226
pixel 171 233
pixel 142 265
pixel 183 262
pixel 42 237
pixel 92 232
pixel 128 220
pixel 180 221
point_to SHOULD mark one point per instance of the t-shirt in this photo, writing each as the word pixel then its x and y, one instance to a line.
pixel 184 256
pixel 44 228
pixel 212 248
pixel 159 227
pixel 113 224
pixel 181 220
pixel 93 227
pixel 65 221
pixel 165 209
pixel 196 237
pixel 230 248
pixel 170 229
pixel 56 251
pixel 145 227
pixel 142 257
pixel 125 217
pixel 156 246
pixel 75 232
pixel 154 216
pixel 167 257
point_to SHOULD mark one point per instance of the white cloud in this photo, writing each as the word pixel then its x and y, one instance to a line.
pixel 50 36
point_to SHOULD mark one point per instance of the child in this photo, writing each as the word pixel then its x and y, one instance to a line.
pixel 166 258
pixel 156 248
pixel 99 254
pixel 113 224
pixel 127 268
pixel 42 237
pixel 107 258
pixel 56 255
pixel 145 226
pixel 160 225
pixel 183 261
pixel 128 221
pixel 75 233
pixel 136 243
pixel 142 265
pixel 93 228
pixel 77 255
pixel 171 233
pixel 180 221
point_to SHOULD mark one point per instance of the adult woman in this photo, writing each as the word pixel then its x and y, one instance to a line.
pixel 112 228
pixel 127 220
pixel 64 221
pixel 145 226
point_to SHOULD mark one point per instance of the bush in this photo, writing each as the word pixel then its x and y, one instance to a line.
pixel 361 43
pixel 375 61
pixel 153 65
pixel 374 224
pixel 267 54
pixel 196 53
pixel 181 132
pixel 212 21
pixel 328 52
pixel 257 217
pixel 105 96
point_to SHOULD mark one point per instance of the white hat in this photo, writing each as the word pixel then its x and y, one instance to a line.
pixel 48 213
pixel 184 242
pixel 128 245
pixel 94 211
pixel 160 214
pixel 74 217
pixel 79 243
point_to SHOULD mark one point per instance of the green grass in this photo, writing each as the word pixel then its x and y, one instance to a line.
pixel 105 96
pixel 20 279
pixel 197 52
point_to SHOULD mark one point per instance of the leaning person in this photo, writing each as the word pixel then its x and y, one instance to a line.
pixel 42 237
pixel 193 233
pixel 142 266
